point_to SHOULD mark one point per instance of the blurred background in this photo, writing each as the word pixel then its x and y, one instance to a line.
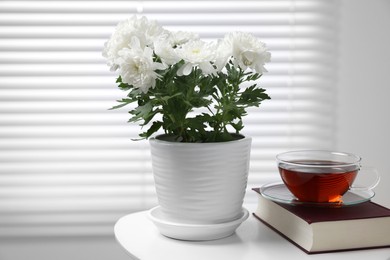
pixel 68 167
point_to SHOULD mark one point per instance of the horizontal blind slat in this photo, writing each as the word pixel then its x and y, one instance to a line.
pixel 97 120
pixel 108 82
pixel 217 18
pixel 126 131
pixel 106 98
pixel 77 44
pixel 163 6
pixel 85 32
pixel 77 178
pixel 60 106
pixel 279 57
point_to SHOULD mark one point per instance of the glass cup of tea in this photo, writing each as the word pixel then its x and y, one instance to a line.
pixel 324 176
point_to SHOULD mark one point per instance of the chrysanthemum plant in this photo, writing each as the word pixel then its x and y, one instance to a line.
pixel 195 91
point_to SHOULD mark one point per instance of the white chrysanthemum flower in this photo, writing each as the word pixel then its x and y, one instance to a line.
pixel 146 31
pixel 136 66
pixel 197 54
pixel 224 53
pixel 247 51
pixel 151 30
pixel 165 47
pixel 166 51
pixel 180 38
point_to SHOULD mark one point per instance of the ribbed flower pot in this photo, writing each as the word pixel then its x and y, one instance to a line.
pixel 200 183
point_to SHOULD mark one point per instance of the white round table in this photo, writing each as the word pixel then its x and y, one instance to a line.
pixel 252 240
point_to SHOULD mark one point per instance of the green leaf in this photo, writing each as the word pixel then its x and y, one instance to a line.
pixel 166 98
pixel 153 128
pixel 252 96
pixel 125 87
pixel 119 106
pixel 141 112
pixel 124 102
pixel 253 76
pixel 237 126
pixel 136 93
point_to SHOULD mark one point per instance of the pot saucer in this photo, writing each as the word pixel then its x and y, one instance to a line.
pixel 278 192
pixel 195 232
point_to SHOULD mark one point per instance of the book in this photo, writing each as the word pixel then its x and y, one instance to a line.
pixel 325 229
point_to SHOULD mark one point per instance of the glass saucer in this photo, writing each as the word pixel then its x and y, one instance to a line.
pixel 278 192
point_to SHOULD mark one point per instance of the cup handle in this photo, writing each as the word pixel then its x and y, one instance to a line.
pixel 368 175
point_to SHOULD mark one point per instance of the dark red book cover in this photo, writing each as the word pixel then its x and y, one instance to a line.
pixel 320 214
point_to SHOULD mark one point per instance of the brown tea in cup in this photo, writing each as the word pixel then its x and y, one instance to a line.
pixel 317 180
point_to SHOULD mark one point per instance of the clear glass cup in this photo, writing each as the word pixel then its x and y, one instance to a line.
pixel 324 176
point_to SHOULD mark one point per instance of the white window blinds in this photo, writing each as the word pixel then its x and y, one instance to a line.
pixel 67 164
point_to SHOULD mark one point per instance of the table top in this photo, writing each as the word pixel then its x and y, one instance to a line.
pixel 252 240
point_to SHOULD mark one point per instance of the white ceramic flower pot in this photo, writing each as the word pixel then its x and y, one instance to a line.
pixel 201 183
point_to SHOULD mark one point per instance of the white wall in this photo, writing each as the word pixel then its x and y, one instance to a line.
pixel 364 86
